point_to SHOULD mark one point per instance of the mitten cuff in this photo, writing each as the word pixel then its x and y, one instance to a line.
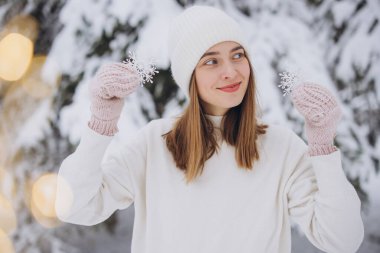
pixel 103 127
pixel 317 150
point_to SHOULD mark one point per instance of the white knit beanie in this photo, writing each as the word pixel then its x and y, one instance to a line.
pixel 192 33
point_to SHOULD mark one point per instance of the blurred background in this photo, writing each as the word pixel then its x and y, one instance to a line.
pixel 50 49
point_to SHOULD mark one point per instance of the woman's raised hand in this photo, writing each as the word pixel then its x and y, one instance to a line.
pixel 322 114
pixel 111 84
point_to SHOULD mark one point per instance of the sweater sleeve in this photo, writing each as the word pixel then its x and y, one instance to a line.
pixel 322 201
pixel 93 183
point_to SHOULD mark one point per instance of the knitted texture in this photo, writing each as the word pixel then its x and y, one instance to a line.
pixel 111 84
pixel 322 114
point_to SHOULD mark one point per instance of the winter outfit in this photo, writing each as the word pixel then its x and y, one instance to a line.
pixel 226 209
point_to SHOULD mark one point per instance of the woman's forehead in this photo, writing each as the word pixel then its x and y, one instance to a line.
pixel 224 46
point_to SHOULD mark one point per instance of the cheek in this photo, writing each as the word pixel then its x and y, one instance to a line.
pixel 245 70
pixel 202 76
pixel 200 82
pixel 204 80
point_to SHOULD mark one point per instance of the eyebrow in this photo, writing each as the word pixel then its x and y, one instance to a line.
pixel 216 53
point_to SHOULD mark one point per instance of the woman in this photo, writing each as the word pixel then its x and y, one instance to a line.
pixel 215 179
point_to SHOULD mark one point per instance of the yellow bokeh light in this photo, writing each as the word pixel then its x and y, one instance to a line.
pixel 7 182
pixel 8 221
pixel 6 245
pixel 43 194
pixel 47 222
pixel 43 198
pixel 16 52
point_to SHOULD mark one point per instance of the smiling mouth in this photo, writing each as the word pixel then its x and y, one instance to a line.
pixel 231 87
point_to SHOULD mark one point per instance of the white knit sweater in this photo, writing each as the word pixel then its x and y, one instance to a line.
pixel 226 209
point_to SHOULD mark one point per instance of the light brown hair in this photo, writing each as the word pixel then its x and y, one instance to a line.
pixel 192 140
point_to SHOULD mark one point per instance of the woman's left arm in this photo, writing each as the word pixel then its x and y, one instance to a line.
pixel 320 198
pixel 323 202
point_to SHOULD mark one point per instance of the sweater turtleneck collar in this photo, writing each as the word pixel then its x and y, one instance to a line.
pixel 215 119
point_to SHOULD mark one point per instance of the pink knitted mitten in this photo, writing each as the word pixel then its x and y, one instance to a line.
pixel 322 114
pixel 111 84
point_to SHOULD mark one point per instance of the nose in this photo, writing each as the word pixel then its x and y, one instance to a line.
pixel 228 71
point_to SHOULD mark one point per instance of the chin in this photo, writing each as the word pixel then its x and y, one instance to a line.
pixel 237 101
pixel 232 104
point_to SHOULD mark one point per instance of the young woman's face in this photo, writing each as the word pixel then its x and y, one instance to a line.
pixel 222 76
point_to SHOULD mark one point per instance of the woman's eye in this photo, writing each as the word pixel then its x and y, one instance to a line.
pixel 210 62
pixel 238 56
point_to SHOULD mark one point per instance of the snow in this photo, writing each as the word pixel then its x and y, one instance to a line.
pixel 172 109
pixel 3 9
pixel 342 11
pixel 356 55
pixel 35 128
pixel 132 10
pixel 72 124
pixel 153 39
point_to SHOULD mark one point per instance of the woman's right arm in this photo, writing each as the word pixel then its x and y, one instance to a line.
pixel 91 187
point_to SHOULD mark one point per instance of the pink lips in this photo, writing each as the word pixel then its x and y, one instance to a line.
pixel 230 88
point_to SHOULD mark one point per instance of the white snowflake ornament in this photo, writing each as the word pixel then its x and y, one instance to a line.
pixel 146 71
pixel 288 81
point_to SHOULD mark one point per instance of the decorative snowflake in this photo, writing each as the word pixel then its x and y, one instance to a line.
pixel 288 81
pixel 146 71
